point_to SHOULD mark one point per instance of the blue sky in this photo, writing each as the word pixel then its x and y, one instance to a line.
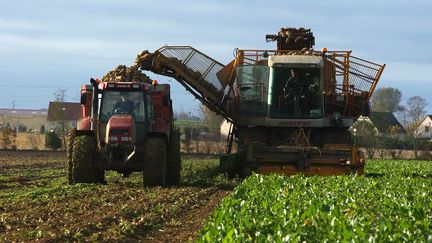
pixel 47 45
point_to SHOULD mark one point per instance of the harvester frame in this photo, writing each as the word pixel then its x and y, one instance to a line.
pixel 278 128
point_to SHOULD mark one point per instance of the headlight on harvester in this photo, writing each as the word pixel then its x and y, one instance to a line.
pixel 113 139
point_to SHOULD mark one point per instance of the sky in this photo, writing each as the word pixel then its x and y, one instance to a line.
pixel 48 45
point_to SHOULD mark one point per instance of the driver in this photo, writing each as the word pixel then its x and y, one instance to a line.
pixel 124 105
pixel 292 85
pixel 292 92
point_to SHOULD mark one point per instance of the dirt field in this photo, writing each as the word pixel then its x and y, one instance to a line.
pixel 37 204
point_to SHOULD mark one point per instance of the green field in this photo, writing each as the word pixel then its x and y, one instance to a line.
pixel 392 202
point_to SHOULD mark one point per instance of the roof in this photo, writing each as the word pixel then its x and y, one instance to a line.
pixel 23 112
pixel 383 120
pixel 72 111
pixel 426 117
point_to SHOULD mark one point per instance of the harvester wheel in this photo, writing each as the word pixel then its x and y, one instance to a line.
pixel 69 149
pixel 155 161
pixel 174 161
pixel 83 155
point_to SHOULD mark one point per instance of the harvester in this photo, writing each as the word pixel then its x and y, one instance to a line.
pixel 289 109
pixel 126 126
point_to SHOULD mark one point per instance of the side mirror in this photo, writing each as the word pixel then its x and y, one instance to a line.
pixel 83 100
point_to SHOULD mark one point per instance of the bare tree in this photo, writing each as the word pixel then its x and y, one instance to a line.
pixel 6 133
pixel 402 116
pixel 212 121
pixel 413 138
pixel 365 134
pixel 33 140
pixel 60 95
pixel 416 106
pixel 62 126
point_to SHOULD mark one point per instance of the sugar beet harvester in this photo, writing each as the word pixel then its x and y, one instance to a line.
pixel 289 108
pixel 125 127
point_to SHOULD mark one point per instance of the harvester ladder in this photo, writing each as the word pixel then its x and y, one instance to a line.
pixel 230 138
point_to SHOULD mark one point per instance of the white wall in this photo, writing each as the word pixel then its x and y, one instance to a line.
pixel 425 128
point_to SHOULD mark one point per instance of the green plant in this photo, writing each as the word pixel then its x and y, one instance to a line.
pixel 388 204
pixel 52 140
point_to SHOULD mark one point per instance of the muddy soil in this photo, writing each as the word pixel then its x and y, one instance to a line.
pixel 37 204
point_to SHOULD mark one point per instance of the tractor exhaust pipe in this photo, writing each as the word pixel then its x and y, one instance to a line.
pixel 95 108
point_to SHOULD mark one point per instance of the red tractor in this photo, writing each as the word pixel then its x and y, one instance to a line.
pixel 126 127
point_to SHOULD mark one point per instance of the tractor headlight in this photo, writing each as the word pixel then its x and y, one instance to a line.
pixel 113 139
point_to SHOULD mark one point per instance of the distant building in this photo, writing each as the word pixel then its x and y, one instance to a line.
pixel 66 111
pixel 23 119
pixel 424 130
pixel 385 123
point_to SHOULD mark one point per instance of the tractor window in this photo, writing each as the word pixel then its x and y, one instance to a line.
pixel 121 102
pixel 295 93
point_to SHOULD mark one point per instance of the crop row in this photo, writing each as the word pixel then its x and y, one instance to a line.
pixel 391 203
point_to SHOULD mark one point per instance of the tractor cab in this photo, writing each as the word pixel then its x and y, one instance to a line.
pixel 125 109
pixel 123 112
pixel 116 102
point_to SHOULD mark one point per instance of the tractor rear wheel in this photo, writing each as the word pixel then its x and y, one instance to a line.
pixel 155 161
pixel 83 155
pixel 69 150
pixel 174 161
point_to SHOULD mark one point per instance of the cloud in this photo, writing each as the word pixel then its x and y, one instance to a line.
pixel 84 47
pixel 13 24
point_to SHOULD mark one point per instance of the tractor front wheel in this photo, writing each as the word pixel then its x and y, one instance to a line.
pixel 82 162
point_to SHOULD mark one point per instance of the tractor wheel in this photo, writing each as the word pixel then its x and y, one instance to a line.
pixel 83 155
pixel 71 138
pixel 174 161
pixel 155 162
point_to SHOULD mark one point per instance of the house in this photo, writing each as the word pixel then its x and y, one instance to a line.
pixel 424 130
pixel 24 119
pixel 69 112
pixel 385 124
pixel 225 128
